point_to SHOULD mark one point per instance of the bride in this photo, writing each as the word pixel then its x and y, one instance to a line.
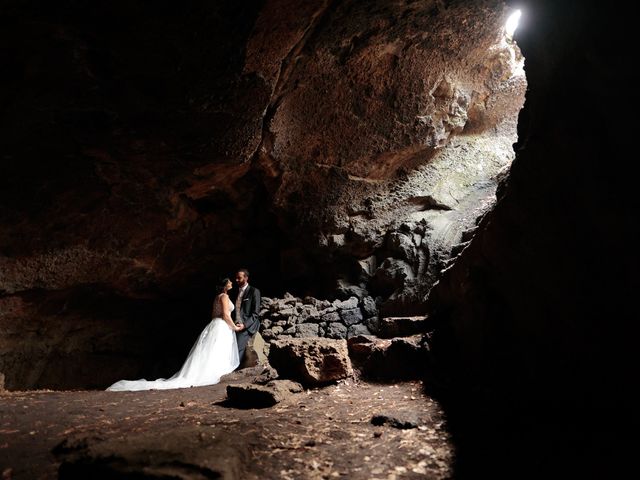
pixel 214 354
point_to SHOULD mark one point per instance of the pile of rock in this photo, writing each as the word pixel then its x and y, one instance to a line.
pixel 291 317
pixel 294 363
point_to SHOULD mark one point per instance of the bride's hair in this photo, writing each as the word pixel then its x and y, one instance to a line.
pixel 221 284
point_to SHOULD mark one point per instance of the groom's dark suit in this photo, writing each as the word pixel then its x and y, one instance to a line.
pixel 248 315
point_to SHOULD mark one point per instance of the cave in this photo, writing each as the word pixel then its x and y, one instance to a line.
pixel 369 163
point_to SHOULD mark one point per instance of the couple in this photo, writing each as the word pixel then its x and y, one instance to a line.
pixel 221 345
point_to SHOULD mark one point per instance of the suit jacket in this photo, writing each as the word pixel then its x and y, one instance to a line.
pixel 249 308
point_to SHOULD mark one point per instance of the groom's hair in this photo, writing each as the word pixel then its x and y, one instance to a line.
pixel 245 271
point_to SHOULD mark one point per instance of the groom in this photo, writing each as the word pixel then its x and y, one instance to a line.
pixel 247 306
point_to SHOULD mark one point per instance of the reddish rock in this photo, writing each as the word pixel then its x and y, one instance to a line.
pixel 311 361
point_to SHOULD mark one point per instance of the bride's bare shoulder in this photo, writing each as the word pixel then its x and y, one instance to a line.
pixel 222 297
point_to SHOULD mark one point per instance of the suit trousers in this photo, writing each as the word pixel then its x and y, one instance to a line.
pixel 242 338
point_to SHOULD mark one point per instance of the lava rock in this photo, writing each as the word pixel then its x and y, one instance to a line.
pixel 336 330
pixel 249 395
pixel 351 316
pixel 402 326
pixel 311 361
pixel 401 421
pixel 359 329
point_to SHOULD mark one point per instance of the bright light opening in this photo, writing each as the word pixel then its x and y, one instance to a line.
pixel 512 23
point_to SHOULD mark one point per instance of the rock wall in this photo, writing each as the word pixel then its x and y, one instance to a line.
pixel 310 317
pixel 112 113
pixel 534 344
pixel 327 146
pixel 391 126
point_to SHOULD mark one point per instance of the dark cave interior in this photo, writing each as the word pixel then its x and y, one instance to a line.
pixel 145 153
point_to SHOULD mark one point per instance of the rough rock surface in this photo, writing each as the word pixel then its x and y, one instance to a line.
pixel 532 320
pixel 389 327
pixel 400 118
pixel 250 395
pixel 311 361
pixel 331 147
pixel 309 317
pixel 388 359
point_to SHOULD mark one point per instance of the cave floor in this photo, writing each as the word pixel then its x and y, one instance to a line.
pixel 191 433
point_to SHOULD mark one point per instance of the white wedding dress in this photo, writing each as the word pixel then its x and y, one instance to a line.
pixel 214 354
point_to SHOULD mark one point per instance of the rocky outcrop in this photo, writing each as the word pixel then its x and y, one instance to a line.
pixel 399 149
pixel 532 324
pixel 311 361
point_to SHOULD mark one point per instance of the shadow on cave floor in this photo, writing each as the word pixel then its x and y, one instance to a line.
pixel 499 435
pixel 187 433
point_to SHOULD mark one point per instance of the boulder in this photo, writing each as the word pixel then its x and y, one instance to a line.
pixel 311 361
pixel 351 303
pixel 373 324
pixel 249 395
pixel 359 329
pixel 331 317
pixel 351 316
pixel 392 275
pixel 306 330
pixel 369 307
pixel 255 352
